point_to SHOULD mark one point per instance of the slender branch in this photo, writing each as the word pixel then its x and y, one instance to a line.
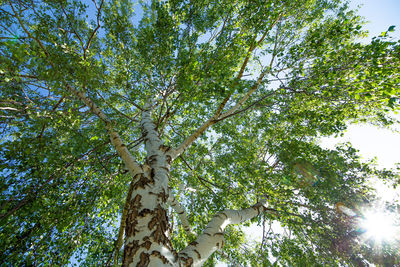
pixel 72 27
pixel 53 109
pixel 222 117
pixel 200 179
pixel 211 121
pixel 256 85
pixel 95 30
pixel 29 196
pixel 241 101
pixel 218 115
pixel 118 242
pixel 174 203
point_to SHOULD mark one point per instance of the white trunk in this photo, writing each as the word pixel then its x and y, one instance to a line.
pixel 146 234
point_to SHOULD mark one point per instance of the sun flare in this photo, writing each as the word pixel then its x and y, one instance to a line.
pixel 379 226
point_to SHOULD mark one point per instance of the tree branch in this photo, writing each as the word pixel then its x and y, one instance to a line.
pixel 174 153
pixel 212 238
pixel 181 213
pixel 116 140
pixel 118 242
pixel 95 30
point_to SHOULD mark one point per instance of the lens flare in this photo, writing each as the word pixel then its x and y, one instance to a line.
pixel 379 226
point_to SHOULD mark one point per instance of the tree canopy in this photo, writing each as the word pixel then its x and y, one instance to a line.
pixel 199 110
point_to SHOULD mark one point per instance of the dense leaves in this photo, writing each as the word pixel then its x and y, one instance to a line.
pixel 291 70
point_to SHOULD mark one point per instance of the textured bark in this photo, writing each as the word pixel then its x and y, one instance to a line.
pixel 146 233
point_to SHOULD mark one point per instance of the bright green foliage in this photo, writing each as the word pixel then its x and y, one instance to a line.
pixel 62 184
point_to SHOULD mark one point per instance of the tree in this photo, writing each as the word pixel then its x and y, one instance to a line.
pixel 125 134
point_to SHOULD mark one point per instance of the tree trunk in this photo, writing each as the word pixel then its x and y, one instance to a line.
pixel 146 233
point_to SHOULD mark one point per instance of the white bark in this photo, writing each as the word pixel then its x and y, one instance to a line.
pixel 212 238
pixel 154 147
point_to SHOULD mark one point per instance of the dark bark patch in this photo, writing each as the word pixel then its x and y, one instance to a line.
pixel 161 257
pixel 158 226
pixel 160 223
pixel 129 252
pixel 197 253
pixel 144 212
pixel 144 259
pixel 186 262
pixel 131 218
pixel 163 196
pixel 132 247
pixel 142 182
pixel 147 244
pixel 164 148
pixel 165 168
pixel 153 222
pixel 169 159
pixel 153 159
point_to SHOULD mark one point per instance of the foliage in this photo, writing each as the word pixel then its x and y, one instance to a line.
pixel 298 65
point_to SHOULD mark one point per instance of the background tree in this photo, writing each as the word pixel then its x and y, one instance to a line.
pixel 147 127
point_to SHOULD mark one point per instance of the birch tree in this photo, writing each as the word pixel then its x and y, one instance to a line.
pixel 149 133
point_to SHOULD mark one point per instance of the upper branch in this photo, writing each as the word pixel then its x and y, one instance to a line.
pixel 218 115
pixel 116 140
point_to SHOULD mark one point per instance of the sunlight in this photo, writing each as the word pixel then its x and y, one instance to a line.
pixel 379 226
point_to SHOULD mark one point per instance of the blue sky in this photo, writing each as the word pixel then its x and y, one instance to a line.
pixel 380 14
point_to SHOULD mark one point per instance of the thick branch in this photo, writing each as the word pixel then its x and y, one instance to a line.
pixel 116 140
pixel 154 147
pixel 212 238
